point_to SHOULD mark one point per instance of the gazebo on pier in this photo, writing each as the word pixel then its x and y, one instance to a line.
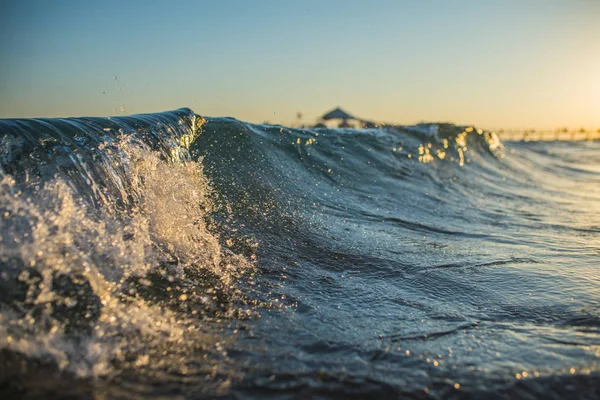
pixel 338 114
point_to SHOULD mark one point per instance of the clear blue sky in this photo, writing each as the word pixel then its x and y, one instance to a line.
pixel 504 63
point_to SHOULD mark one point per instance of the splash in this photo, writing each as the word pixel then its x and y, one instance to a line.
pixel 93 288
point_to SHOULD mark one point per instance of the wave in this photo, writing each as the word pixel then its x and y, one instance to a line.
pixel 212 253
pixel 105 240
pixel 106 221
pixel 260 167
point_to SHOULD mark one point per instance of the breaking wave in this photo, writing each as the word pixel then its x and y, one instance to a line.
pixel 168 254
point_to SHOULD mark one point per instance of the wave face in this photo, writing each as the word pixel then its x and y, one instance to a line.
pixel 168 255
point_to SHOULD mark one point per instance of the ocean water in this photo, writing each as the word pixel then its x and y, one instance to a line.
pixel 173 256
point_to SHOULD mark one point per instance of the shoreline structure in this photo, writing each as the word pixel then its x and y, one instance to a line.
pixel 338 118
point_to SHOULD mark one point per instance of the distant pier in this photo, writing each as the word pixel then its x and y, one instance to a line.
pixel 562 134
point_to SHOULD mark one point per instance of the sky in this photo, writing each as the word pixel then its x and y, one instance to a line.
pixel 491 63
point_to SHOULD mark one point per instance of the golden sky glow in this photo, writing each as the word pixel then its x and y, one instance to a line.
pixel 494 64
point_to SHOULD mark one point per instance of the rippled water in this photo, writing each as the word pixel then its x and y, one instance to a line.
pixel 170 255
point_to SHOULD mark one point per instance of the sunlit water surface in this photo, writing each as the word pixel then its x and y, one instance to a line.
pixel 166 255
